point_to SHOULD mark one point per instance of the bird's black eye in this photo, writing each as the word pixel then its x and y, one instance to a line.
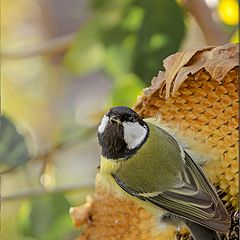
pixel 130 118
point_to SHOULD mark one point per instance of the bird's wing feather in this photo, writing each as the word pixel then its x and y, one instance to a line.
pixel 192 198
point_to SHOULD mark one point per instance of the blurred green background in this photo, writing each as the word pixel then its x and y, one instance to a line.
pixel 64 62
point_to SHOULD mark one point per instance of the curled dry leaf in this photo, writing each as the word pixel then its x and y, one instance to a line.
pixel 174 63
pixel 81 214
pixel 217 61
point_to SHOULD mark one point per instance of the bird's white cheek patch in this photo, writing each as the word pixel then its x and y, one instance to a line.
pixel 103 124
pixel 134 134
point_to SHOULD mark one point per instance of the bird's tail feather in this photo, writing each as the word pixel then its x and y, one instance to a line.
pixel 200 232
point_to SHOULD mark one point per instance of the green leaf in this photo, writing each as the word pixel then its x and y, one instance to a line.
pixel 117 61
pixel 128 36
pixel 87 53
pixel 126 89
pixel 49 218
pixel 235 37
pixel 13 149
pixel 160 35
pixel 133 19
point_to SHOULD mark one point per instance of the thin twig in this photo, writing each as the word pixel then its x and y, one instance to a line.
pixel 58 147
pixel 212 31
pixel 54 46
pixel 40 192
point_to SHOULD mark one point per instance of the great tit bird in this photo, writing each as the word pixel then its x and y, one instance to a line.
pixel 146 163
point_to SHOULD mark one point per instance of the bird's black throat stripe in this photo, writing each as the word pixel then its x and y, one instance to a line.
pixel 113 144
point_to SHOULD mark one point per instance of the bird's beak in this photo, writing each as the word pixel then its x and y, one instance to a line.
pixel 115 119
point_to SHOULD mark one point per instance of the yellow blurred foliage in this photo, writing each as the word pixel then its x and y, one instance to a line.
pixel 228 11
pixel 28 85
pixel 235 38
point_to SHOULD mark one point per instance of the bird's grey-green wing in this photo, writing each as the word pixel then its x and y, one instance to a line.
pixel 193 197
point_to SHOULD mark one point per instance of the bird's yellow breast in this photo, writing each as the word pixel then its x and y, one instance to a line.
pixel 109 166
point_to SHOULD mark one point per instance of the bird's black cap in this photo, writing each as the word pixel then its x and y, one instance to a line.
pixel 125 114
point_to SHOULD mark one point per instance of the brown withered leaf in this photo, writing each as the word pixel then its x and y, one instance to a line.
pixel 222 60
pixel 217 61
pixel 175 62
pixel 81 214
pixel 194 65
pixel 156 84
